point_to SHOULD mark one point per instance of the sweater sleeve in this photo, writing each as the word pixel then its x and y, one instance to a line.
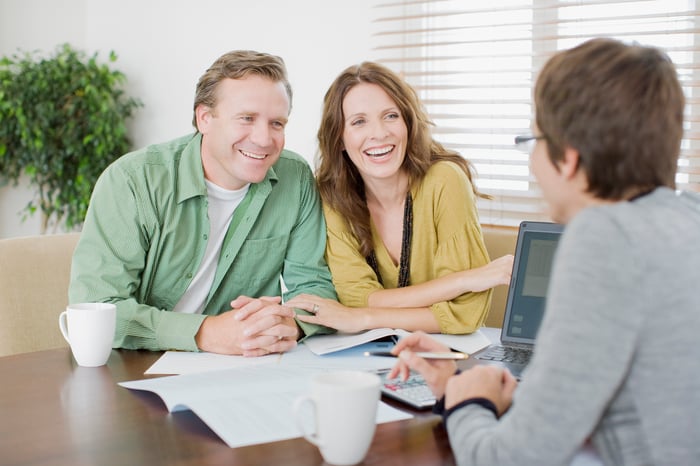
pixel 458 245
pixel 584 350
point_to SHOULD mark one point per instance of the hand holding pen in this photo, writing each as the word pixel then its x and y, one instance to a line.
pixel 434 371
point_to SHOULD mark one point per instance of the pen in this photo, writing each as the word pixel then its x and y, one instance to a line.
pixel 426 355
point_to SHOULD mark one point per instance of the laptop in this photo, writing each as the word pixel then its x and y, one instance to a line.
pixel 534 253
pixel 532 266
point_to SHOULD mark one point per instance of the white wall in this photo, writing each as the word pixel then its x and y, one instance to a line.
pixel 165 45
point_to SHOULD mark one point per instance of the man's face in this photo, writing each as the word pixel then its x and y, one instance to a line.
pixel 243 135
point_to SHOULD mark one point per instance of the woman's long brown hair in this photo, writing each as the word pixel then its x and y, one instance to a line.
pixel 339 181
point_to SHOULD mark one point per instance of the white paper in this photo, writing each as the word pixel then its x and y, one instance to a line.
pixel 180 362
pixel 348 359
pixel 185 362
pixel 320 351
pixel 244 406
pixel 247 401
pixel 325 344
pixel 469 344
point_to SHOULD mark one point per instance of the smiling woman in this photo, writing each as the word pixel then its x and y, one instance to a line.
pixel 404 243
pixel 375 139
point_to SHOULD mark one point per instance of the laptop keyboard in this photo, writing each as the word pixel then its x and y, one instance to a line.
pixel 508 354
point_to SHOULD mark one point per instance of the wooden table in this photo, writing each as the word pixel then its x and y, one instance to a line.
pixel 53 412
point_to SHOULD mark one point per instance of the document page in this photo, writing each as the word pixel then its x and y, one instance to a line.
pixel 465 343
pixel 183 362
pixel 341 351
pixel 186 362
pixel 244 406
pixel 325 344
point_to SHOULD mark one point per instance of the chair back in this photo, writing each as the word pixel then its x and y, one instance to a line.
pixel 34 276
pixel 499 241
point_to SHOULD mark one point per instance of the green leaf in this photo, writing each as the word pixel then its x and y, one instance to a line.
pixel 62 121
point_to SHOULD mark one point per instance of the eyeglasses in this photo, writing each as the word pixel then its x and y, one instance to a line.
pixel 527 143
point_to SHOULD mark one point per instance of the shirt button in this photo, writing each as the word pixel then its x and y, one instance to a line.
pixel 189 275
pixel 205 236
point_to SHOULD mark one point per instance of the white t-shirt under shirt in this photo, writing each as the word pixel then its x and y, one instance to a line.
pixel 222 205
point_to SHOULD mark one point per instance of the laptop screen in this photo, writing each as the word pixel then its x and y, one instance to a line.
pixel 534 252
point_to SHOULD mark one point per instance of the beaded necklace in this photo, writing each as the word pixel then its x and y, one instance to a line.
pixel 404 262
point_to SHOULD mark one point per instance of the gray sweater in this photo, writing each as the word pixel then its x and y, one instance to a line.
pixel 617 358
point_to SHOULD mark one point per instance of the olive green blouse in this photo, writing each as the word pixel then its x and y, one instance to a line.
pixel 446 238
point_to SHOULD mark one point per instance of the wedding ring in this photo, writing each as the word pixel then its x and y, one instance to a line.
pixel 315 309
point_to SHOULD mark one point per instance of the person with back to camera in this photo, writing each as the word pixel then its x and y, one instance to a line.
pixel 616 355
pixel 404 244
pixel 189 238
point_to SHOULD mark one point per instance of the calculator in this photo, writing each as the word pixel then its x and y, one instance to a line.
pixel 413 391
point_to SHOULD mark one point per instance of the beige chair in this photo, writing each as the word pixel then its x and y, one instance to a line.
pixel 34 276
pixel 499 241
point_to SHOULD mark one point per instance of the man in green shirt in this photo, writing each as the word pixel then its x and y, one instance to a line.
pixel 190 238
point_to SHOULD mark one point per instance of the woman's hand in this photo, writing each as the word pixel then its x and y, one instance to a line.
pixel 497 272
pixel 329 313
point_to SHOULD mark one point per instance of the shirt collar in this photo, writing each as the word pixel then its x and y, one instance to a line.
pixel 190 178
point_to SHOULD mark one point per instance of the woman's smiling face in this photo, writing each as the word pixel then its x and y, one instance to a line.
pixel 375 134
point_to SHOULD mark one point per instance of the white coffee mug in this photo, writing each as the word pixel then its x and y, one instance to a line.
pixel 345 414
pixel 89 330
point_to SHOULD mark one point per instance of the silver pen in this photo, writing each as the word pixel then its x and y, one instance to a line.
pixel 423 354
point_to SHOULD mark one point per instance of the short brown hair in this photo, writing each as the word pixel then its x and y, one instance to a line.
pixel 237 65
pixel 621 107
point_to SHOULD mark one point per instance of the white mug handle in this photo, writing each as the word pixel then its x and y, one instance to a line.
pixel 298 403
pixel 63 325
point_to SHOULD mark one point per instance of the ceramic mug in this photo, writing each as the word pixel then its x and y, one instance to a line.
pixel 344 406
pixel 89 330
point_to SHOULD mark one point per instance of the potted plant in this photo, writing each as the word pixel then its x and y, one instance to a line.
pixel 62 121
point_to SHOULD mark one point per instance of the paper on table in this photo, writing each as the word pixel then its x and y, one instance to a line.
pixel 324 344
pixel 351 358
pixel 185 362
pixel 244 406
pixel 182 362
pixel 465 343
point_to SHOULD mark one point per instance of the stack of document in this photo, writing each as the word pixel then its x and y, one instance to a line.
pixel 248 401
pixel 325 344
pixel 244 406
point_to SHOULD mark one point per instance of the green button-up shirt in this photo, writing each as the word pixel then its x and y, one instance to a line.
pixel 146 232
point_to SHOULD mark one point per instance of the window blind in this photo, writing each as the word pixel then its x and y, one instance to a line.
pixel 474 65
